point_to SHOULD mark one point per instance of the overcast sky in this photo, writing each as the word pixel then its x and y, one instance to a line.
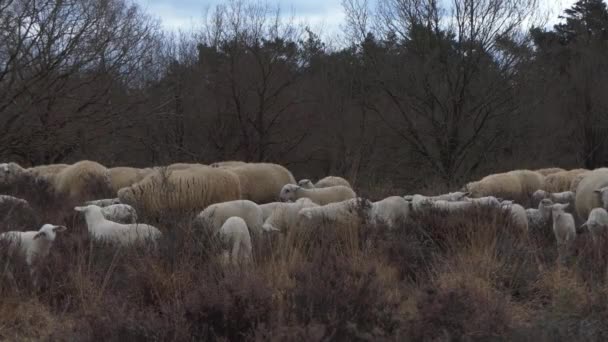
pixel 320 14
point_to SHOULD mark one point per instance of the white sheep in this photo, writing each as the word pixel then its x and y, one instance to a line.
pixel 123 234
pixel 285 216
pixel 517 213
pixel 324 182
pixel 420 202
pixel 541 217
pixel 269 208
pixel 235 236
pixel 391 210
pixel 563 227
pixel 321 196
pixel 452 206
pixel 556 197
pixel 103 202
pixel 340 212
pixel 487 201
pixel 306 183
pixel 33 244
pixel 596 223
pixel 216 214
pixel 121 213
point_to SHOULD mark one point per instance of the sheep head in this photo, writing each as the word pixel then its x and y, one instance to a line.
pixel 288 193
pixel 49 232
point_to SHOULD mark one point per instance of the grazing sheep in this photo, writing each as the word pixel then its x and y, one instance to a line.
pixel 228 163
pixel 587 197
pixel 261 182
pixel 82 181
pixel 529 181
pixel 540 218
pixel 123 176
pixel 236 238
pixel 216 214
pixel 562 181
pixel 563 228
pixel 103 202
pixel 181 191
pixel 321 196
pixel 596 223
pixel 121 213
pixel 16 213
pixel 549 170
pixel 391 211
pixel 345 212
pixel 324 182
pixel 285 216
pixel 123 234
pixel 502 185
pixel 33 244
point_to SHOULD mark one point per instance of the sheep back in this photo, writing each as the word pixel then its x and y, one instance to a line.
pixel 502 185
pixel 123 176
pixel 332 181
pixel 561 181
pixel 262 182
pixel 549 170
pixel 83 181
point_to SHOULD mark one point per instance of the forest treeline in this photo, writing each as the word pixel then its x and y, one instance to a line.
pixel 417 93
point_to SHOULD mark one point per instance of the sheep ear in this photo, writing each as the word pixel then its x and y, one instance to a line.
pixel 60 228
pixel 466 193
pixel 598 191
pixel 39 235
pixel 79 208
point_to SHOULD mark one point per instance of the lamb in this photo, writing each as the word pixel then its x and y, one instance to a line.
pixel 556 197
pixel 391 210
pixel 16 213
pixel 345 212
pixel 181 191
pixel 122 234
pixel 104 202
pixel 487 201
pixel 541 217
pixel 517 213
pixel 261 182
pixel 33 244
pixel 563 228
pixel 216 214
pixel 285 216
pixel 82 181
pixel 321 196
pixel 235 236
pixel 602 193
pixel 596 223
pixel 121 213
pixel 587 197
pixel 324 183
pixel 420 202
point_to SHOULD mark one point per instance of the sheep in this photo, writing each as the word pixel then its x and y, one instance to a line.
pixel 261 182
pixel 123 176
pixel 121 213
pixel 182 166
pixel 269 208
pixel 33 244
pixel 11 173
pixel 420 202
pixel 529 181
pixel 321 196
pixel 186 190
pixel 602 193
pixel 235 236
pixel 345 212
pixel 216 214
pixel 556 197
pixel 596 223
pixel 503 185
pixel 517 214
pixel 562 181
pixel 563 228
pixel 577 180
pixel 228 163
pixel 487 201
pixel 391 210
pixel 541 217
pixel 452 206
pixel 16 213
pixel 122 234
pixel 104 202
pixel 549 170
pixel 324 182
pixel 82 181
pixel 285 216
pixel 586 196
pixel 46 171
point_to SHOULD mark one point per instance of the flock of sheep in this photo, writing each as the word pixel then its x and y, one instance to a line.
pixel 237 200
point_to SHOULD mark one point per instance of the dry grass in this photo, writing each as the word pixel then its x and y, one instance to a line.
pixel 438 278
